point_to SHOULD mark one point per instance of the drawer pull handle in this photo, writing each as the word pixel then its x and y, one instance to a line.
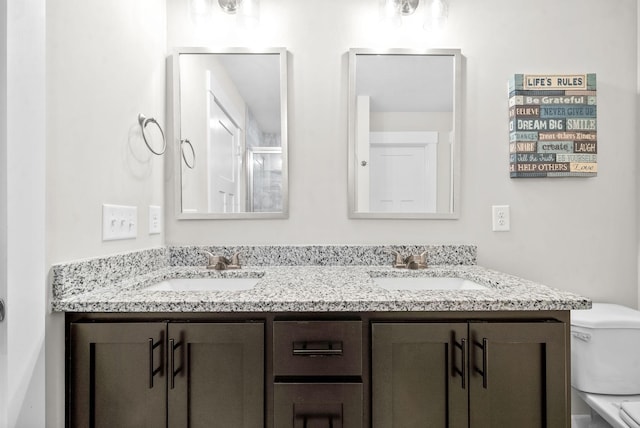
pixel 152 371
pixel 305 418
pixel 317 349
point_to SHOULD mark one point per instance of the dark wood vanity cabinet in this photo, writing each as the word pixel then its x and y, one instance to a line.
pixel 218 375
pixel 469 374
pixel 318 405
pixel 319 370
pixel 166 374
pixel 414 375
pixel 518 375
pixel 111 379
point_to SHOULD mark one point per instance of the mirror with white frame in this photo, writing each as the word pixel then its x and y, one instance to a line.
pixel 404 130
pixel 230 133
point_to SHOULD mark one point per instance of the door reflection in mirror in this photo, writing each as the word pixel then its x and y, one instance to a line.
pixel 232 109
pixel 403 172
pixel 403 125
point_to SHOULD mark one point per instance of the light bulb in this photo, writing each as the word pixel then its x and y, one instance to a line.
pixel 200 10
pixel 249 13
pixel 436 15
pixel 390 13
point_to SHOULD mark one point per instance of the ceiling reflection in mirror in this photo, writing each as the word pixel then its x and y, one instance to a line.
pixel 403 133
pixel 232 141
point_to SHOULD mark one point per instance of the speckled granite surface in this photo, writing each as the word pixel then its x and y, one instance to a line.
pixel 93 274
pixel 325 255
pixel 304 286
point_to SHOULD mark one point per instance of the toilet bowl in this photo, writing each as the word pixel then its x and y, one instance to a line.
pixel 605 362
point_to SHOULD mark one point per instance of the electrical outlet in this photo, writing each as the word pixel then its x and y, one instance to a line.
pixel 119 222
pixel 501 218
pixel 155 219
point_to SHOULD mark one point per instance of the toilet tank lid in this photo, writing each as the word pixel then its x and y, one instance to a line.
pixel 606 315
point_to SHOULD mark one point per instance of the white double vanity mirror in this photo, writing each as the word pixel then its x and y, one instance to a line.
pixel 230 133
pixel 404 128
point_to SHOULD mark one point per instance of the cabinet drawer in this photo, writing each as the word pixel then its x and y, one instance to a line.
pixel 311 405
pixel 317 348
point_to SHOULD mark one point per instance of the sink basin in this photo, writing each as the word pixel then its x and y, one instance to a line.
pixel 204 284
pixel 427 283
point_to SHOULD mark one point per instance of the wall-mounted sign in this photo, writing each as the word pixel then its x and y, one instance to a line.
pixel 552 125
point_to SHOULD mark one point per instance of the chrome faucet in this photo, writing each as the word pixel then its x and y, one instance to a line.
pixel 412 261
pixel 221 262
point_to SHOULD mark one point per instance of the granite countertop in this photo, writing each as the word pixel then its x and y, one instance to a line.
pixel 320 289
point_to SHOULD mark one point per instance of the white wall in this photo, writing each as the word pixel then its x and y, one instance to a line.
pixel 4 391
pixel 638 133
pixel 563 232
pixel 22 269
pixel 105 64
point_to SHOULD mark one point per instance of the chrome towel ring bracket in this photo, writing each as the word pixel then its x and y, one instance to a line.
pixel 191 165
pixel 144 121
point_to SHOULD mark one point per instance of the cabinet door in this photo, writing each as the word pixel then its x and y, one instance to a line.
pixel 419 375
pixel 216 375
pixel 518 375
pixel 318 405
pixel 117 377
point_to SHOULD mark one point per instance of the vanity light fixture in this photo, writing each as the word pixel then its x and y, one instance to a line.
pixel 229 6
pixel 435 12
pixel 247 11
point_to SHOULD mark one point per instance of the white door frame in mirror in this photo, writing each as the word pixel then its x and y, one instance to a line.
pixel 236 205
pixel 360 131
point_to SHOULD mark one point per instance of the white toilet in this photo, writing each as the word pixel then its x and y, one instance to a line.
pixel 605 363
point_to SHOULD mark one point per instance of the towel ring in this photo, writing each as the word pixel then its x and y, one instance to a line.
pixel 193 153
pixel 144 121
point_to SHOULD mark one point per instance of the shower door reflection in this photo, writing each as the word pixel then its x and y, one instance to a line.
pixel 264 170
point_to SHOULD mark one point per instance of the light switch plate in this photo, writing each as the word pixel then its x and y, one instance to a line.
pixel 119 222
pixel 155 219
